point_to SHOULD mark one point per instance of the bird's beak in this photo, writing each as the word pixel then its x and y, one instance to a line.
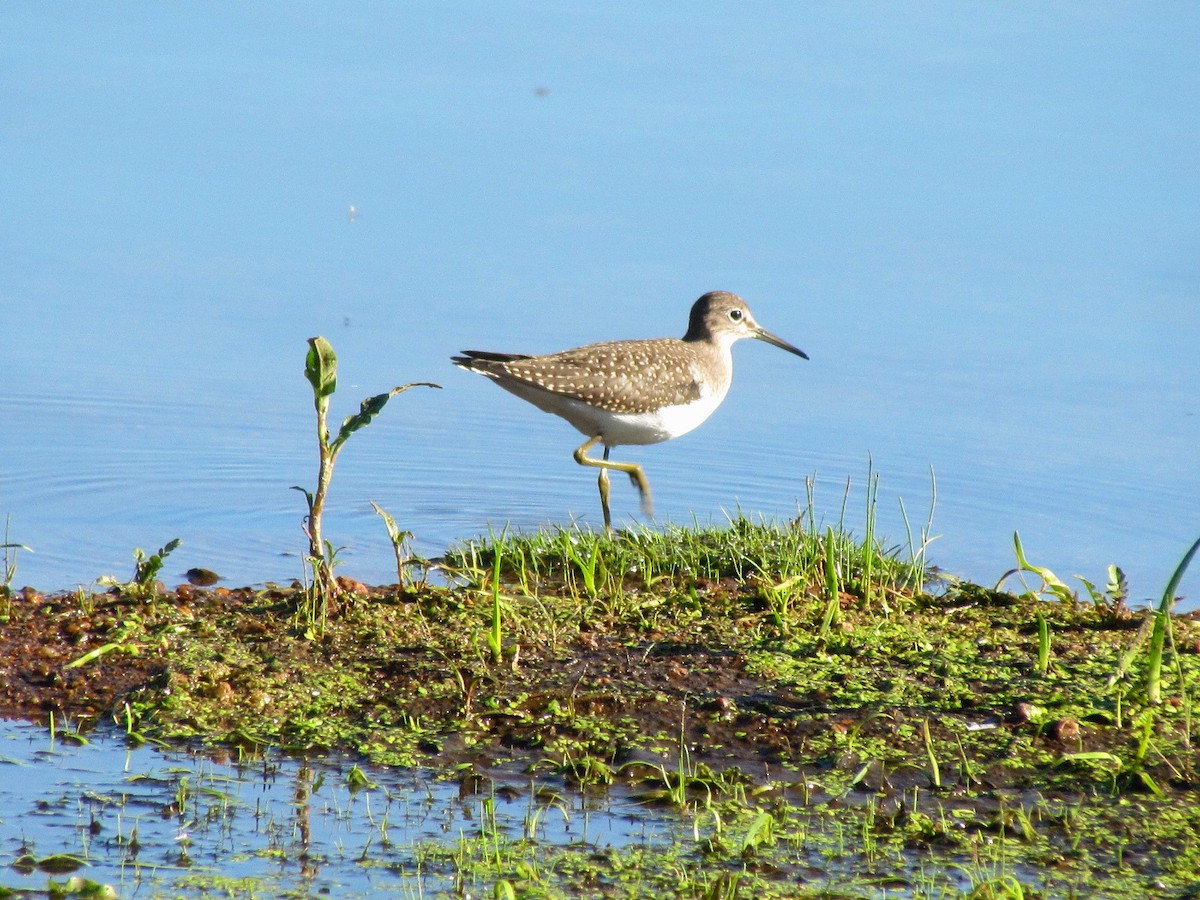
pixel 763 335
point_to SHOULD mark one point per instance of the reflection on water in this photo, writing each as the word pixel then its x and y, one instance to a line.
pixel 148 820
pixel 152 822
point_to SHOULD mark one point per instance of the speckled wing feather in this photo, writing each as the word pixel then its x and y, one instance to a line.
pixel 620 377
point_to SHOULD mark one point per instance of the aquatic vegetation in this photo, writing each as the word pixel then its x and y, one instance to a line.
pixel 400 546
pixel 799 725
pixel 1154 635
pixel 189 825
pixel 144 584
pixel 8 566
pixel 320 368
pixel 1162 625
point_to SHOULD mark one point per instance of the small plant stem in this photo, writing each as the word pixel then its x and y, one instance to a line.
pixel 495 636
pixel 935 772
pixel 832 587
pixel 1162 623
pixel 1043 662
pixel 316 539
pixel 320 368
pixel 869 539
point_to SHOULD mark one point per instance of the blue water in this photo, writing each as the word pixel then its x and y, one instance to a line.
pixel 167 822
pixel 980 221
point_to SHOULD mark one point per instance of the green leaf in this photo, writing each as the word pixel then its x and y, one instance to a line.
pixel 308 496
pixel 394 533
pixel 760 833
pixel 61 863
pixel 1052 582
pixel 149 567
pixel 369 409
pixel 1118 585
pixel 1098 756
pixel 1161 624
pixel 100 651
pixel 320 368
pixel 1169 594
pixel 1096 596
pixel 356 779
pixel 1151 785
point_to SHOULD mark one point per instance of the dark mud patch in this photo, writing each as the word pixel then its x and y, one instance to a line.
pixel 405 676
pixel 936 730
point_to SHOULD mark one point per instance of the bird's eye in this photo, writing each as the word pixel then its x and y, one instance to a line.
pixel 735 315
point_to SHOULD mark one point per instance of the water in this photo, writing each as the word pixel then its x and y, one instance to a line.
pixel 148 821
pixel 980 222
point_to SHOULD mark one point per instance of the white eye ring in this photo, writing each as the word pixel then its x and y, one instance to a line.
pixel 735 315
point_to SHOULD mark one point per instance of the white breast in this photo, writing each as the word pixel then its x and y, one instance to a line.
pixel 627 428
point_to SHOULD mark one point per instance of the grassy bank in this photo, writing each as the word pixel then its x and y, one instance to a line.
pixel 827 718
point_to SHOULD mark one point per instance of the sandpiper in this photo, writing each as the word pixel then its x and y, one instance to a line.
pixel 633 392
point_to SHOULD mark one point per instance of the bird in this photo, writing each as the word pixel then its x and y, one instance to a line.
pixel 632 392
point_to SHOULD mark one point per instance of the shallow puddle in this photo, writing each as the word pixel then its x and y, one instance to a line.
pixel 100 820
pixel 148 820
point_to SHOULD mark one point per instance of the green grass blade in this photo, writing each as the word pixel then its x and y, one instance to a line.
pixel 1162 622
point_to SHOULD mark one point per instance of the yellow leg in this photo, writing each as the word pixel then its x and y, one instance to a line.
pixel 633 470
pixel 603 482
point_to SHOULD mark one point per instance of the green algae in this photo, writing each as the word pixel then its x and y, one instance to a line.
pixel 824 736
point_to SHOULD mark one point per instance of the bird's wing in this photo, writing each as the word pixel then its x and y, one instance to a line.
pixel 625 377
